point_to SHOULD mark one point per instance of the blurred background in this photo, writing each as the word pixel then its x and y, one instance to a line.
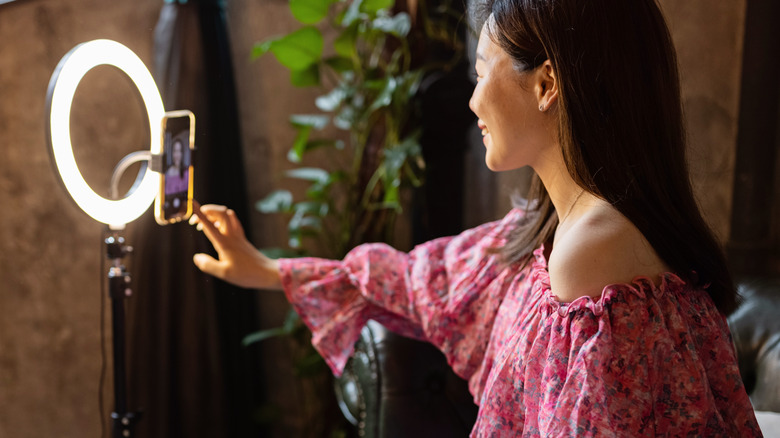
pixel 188 370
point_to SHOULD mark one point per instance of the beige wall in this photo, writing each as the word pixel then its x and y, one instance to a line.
pixel 49 262
pixel 708 36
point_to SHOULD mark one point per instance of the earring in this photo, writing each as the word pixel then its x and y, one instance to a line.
pixel 541 108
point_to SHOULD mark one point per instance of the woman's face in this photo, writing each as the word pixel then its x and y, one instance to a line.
pixel 177 153
pixel 505 101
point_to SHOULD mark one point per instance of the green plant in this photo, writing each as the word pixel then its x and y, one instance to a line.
pixel 370 81
pixel 367 128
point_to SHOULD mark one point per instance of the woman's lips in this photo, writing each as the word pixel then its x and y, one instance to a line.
pixel 485 132
pixel 481 125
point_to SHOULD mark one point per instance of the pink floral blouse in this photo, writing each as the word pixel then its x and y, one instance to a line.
pixel 644 359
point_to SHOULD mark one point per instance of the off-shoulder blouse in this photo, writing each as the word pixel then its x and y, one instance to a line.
pixel 649 358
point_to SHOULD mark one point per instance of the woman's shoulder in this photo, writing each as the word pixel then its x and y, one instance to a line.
pixel 601 248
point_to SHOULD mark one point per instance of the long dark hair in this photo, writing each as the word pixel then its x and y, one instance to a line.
pixel 621 125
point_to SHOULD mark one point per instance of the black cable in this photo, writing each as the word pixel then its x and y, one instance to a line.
pixel 101 383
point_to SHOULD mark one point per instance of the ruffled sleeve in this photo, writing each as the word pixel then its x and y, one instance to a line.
pixel 446 291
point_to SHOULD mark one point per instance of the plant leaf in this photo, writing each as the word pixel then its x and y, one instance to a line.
pixel 278 201
pixel 374 6
pixel 394 159
pixel 263 47
pixel 345 118
pixel 317 208
pixel 291 321
pixel 316 121
pixel 309 174
pixel 352 13
pixel 341 64
pixel 329 102
pixel 295 154
pixel 298 50
pixel 399 25
pixel 318 192
pixel 310 222
pixel 307 77
pixel 299 223
pixel 392 199
pixel 321 143
pixel 344 44
pixel 310 11
pixel 385 96
pixel 409 83
pixel 262 335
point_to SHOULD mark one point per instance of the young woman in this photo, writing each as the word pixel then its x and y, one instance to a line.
pixel 595 310
pixel 177 176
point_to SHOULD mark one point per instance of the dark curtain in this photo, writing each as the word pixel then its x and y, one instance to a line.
pixel 753 246
pixel 187 370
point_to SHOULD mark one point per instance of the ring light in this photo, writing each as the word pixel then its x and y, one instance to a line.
pixel 62 88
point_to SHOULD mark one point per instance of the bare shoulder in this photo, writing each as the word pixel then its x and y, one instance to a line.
pixel 599 249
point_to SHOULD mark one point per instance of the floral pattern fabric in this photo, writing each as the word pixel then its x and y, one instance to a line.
pixel 644 359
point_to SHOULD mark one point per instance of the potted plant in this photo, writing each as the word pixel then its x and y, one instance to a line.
pixel 369 119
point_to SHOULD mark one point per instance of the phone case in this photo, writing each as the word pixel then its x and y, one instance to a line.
pixel 174 200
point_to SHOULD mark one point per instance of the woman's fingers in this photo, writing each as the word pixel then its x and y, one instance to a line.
pixel 233 224
pixel 222 218
pixel 208 264
pixel 209 228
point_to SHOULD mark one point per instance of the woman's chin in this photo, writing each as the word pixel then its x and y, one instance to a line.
pixel 486 140
pixel 500 164
pixel 493 165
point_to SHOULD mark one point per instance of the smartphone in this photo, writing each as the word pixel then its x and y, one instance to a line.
pixel 174 202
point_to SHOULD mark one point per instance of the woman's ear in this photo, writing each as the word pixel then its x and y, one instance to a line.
pixel 546 86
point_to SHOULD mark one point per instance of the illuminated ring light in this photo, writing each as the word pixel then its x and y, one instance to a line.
pixel 62 88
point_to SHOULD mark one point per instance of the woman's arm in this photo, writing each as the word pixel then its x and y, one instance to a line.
pixel 446 291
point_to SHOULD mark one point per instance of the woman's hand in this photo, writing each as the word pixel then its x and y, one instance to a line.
pixel 238 261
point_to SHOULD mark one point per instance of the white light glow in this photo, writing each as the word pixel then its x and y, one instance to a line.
pixel 62 89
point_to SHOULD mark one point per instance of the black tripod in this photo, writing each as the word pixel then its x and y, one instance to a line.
pixel 122 421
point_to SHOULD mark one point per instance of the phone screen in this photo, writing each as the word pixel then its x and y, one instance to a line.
pixel 174 203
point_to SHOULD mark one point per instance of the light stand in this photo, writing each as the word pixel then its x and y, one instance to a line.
pixel 122 421
pixel 114 212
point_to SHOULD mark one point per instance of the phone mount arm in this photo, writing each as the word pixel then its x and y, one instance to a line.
pixel 148 161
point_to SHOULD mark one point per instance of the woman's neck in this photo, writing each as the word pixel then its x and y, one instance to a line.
pixel 569 199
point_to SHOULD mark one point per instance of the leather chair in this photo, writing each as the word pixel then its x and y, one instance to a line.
pixel 394 386
pixel 397 387
pixel 755 328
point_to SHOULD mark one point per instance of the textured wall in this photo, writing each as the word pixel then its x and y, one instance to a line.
pixel 49 262
pixel 708 37
pixel 50 257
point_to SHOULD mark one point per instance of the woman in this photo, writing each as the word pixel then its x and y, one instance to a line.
pixel 596 310
pixel 177 176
